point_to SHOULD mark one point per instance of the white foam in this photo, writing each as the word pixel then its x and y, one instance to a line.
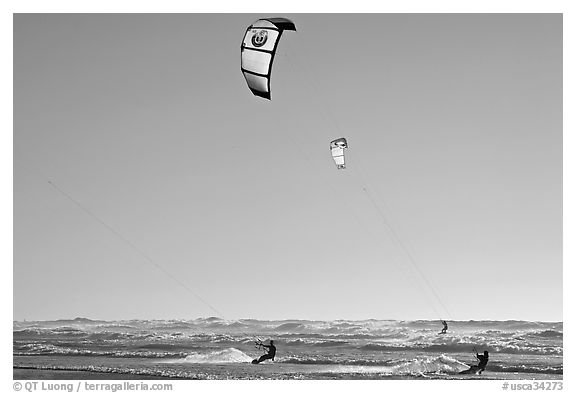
pixel 425 365
pixel 229 355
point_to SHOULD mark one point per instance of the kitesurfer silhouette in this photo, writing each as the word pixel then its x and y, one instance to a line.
pixel 271 352
pixel 483 361
pixel 445 328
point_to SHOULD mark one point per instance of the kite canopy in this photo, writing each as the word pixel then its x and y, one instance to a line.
pixel 337 147
pixel 258 50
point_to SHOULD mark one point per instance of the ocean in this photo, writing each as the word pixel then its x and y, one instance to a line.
pixel 213 348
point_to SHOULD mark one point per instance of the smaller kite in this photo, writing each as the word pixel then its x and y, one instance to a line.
pixel 337 147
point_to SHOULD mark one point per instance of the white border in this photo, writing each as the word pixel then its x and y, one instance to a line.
pixel 295 6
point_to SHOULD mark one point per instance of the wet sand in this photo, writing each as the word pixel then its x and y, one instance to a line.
pixel 36 374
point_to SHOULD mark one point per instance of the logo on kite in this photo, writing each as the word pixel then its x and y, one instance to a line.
pixel 259 38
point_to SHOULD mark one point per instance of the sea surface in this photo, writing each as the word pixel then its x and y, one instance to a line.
pixel 213 348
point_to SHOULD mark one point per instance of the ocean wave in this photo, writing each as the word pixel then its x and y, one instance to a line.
pixel 68 330
pixel 417 366
pixel 546 334
pixel 110 335
pixel 115 336
pixel 290 326
pixel 89 346
pixel 178 338
pixel 422 365
pixel 312 360
pixel 36 349
pixel 229 355
pixel 378 329
pixel 529 369
pixel 43 331
pixel 326 343
pixel 114 325
pixel 28 332
pixel 427 365
pixel 170 347
pixel 506 348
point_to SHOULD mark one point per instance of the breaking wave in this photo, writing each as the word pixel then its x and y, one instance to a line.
pixel 229 355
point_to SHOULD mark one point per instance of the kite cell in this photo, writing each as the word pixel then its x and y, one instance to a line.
pixel 258 50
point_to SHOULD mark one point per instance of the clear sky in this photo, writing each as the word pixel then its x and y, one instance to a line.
pixel 454 124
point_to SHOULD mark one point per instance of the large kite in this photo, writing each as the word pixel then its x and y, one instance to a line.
pixel 258 50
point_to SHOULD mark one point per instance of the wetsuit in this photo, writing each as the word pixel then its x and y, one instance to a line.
pixel 270 355
pixel 483 362
pixel 445 327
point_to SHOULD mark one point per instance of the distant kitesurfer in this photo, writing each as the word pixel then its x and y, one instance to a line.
pixel 445 328
pixel 270 352
pixel 483 361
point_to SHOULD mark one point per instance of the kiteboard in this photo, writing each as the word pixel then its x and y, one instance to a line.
pixel 472 370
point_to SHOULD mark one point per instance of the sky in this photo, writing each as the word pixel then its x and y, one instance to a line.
pixel 150 183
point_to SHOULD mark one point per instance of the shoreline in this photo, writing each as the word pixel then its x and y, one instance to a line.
pixel 31 373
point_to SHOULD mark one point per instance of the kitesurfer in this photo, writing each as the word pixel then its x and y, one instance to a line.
pixel 270 352
pixel 483 361
pixel 445 328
